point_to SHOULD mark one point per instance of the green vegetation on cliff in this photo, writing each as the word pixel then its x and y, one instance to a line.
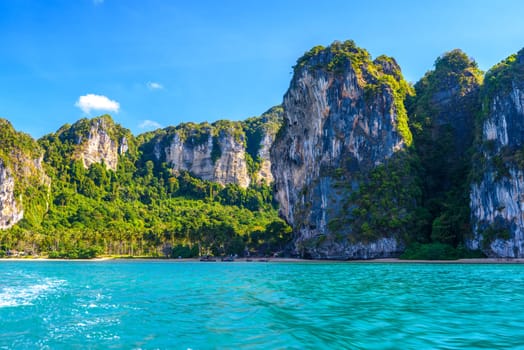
pixel 442 116
pixel 384 204
pixel 13 142
pixel 21 154
pixel 373 76
pixel 340 55
pixel 255 129
pixel 488 156
pixel 499 78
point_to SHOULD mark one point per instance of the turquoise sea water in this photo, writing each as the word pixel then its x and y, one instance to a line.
pixel 177 305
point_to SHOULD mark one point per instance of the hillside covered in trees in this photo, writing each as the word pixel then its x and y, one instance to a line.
pixel 105 196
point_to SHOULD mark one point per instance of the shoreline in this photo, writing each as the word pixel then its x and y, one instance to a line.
pixel 285 260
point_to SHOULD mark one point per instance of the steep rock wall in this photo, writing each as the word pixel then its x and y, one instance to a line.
pixel 99 145
pixel 344 116
pixel 497 194
pixel 10 213
pixel 24 185
pixel 224 152
pixel 219 158
pixel 497 206
pixel 264 175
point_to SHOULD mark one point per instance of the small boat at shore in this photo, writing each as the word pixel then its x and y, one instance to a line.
pixel 207 258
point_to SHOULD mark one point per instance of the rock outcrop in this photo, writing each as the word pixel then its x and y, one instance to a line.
pixel 98 140
pixel 211 152
pixel 99 146
pixel 260 136
pixel 224 152
pixel 497 192
pixel 344 117
pixel 10 213
pixel 22 177
pixel 264 175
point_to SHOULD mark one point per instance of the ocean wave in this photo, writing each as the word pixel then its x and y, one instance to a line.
pixel 24 295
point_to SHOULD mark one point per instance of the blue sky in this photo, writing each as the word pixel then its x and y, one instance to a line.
pixel 163 62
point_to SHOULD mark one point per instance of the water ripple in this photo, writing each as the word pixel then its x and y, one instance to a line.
pixel 136 305
pixel 24 294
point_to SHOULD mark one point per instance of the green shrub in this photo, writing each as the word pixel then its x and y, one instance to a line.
pixel 184 251
pixel 439 251
pixel 430 251
pixel 76 253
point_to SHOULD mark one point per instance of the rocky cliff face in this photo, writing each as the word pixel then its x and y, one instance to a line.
pixel 10 213
pixel 99 146
pixel 260 136
pixel 343 117
pixel 98 140
pixel 264 175
pixel 224 152
pixel 210 152
pixel 497 193
pixel 22 177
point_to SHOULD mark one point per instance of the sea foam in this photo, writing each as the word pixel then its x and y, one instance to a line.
pixel 23 295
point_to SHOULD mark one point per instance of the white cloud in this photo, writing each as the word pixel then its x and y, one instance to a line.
pixel 151 85
pixel 98 2
pixel 149 124
pixel 92 102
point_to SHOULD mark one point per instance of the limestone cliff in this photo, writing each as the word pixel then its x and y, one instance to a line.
pixel 344 125
pixel 224 152
pixel 211 152
pixel 10 213
pixel 260 136
pixel 264 174
pixel 97 140
pixel 23 182
pixel 497 192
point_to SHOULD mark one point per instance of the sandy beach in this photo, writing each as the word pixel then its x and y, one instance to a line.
pixel 286 260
